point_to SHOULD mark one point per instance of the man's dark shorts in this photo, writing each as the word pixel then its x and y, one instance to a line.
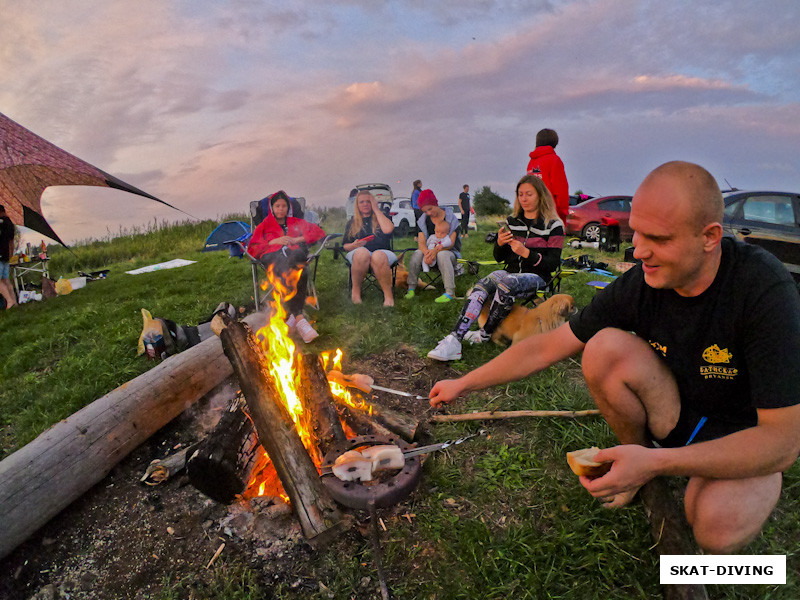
pixel 693 427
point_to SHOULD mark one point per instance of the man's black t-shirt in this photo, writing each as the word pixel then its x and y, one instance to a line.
pixel 732 349
pixel 464 197
pixel 6 236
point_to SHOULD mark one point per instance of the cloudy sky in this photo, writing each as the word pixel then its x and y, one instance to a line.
pixel 210 104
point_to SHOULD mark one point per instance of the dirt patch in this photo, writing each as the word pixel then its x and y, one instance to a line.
pixel 123 539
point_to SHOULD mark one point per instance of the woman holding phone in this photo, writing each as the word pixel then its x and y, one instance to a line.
pixel 368 241
pixel 529 244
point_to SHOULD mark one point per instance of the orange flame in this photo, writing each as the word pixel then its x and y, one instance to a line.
pixel 343 393
pixel 281 365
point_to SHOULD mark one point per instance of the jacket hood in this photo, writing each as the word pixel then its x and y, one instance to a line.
pixel 541 151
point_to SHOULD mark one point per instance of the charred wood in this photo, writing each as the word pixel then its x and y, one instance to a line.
pixel 315 509
pixel 222 464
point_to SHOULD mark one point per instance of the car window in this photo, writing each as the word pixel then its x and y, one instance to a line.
pixel 405 204
pixel 775 209
pixel 618 204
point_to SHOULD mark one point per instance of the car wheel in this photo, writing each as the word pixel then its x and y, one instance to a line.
pixel 402 229
pixel 591 232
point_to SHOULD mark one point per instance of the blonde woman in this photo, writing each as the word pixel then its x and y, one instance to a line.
pixel 368 241
pixel 529 244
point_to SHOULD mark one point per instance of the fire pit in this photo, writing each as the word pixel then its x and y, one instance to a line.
pixel 382 493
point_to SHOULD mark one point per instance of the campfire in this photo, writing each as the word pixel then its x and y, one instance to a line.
pixel 284 433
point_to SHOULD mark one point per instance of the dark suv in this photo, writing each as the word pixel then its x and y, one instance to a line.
pixel 768 219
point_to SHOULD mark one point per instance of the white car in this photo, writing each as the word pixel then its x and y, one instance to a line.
pixel 402 216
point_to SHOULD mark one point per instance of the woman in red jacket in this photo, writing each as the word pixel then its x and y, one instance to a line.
pixel 282 241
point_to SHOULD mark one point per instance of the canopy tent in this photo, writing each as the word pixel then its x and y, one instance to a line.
pixel 29 164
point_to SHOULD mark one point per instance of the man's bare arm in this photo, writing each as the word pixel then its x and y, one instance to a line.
pixel 770 447
pixel 529 356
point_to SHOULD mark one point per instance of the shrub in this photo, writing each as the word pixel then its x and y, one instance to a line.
pixel 486 202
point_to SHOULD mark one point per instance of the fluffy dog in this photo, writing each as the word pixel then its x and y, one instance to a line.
pixel 401 279
pixel 522 322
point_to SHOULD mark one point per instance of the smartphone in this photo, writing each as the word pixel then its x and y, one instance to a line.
pixel 503 225
pixel 369 238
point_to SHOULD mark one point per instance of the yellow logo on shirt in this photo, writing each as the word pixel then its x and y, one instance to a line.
pixel 715 355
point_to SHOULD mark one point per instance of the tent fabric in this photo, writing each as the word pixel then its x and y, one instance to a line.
pixel 29 164
pixel 225 232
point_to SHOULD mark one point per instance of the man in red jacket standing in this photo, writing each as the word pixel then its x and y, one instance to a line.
pixel 546 164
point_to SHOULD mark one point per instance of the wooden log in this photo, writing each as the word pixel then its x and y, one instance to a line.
pixel 406 426
pixel 361 423
pixel 317 398
pixel 512 414
pixel 315 509
pixel 42 478
pixel 671 533
pixel 222 464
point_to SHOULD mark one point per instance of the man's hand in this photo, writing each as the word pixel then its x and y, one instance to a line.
pixel 633 467
pixel 284 240
pixel 445 391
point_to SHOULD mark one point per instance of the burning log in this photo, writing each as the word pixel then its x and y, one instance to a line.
pixel 360 421
pixel 317 397
pixel 406 426
pixel 222 464
pixel 311 501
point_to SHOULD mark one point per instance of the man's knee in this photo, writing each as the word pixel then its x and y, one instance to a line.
pixel 608 349
pixel 726 515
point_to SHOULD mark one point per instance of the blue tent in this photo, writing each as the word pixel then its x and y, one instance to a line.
pixel 226 232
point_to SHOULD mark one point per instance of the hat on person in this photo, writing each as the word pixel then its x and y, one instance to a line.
pixel 426 198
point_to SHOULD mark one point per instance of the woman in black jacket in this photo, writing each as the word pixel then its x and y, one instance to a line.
pixel 529 245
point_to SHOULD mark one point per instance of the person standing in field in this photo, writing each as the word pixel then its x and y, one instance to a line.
pixel 464 206
pixel 415 199
pixel 546 164
pixel 6 250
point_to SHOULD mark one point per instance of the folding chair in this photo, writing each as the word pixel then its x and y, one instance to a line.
pixel 370 281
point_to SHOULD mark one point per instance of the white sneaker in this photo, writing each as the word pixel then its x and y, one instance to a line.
pixel 291 322
pixel 479 336
pixel 448 349
pixel 306 331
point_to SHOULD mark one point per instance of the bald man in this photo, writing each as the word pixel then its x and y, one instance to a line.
pixel 693 358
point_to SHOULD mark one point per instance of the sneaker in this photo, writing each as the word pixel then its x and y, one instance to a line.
pixel 306 331
pixel 291 322
pixel 443 298
pixel 409 295
pixel 448 349
pixel 478 336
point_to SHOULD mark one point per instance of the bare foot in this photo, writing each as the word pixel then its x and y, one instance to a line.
pixel 356 299
pixel 389 302
pixel 619 500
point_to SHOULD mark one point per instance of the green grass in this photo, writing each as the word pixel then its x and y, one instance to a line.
pixel 497 518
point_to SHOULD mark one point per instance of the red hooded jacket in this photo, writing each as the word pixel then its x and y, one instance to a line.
pixel 269 229
pixel 550 168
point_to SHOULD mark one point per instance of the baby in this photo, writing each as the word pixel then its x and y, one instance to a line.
pixel 440 237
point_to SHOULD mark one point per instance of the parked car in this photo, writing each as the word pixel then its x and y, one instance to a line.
pixel 767 219
pixel 583 220
pixel 381 191
pixel 573 199
pixel 402 216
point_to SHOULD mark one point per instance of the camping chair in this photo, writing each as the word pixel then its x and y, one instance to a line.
pixel 370 281
pixel 311 262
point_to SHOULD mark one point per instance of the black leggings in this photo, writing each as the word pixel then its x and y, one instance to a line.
pixel 282 264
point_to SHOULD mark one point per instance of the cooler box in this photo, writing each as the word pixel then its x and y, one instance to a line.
pixel 609 235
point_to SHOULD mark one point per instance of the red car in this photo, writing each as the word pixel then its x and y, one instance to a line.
pixel 583 220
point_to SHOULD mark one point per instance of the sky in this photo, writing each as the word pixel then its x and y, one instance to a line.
pixel 209 104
